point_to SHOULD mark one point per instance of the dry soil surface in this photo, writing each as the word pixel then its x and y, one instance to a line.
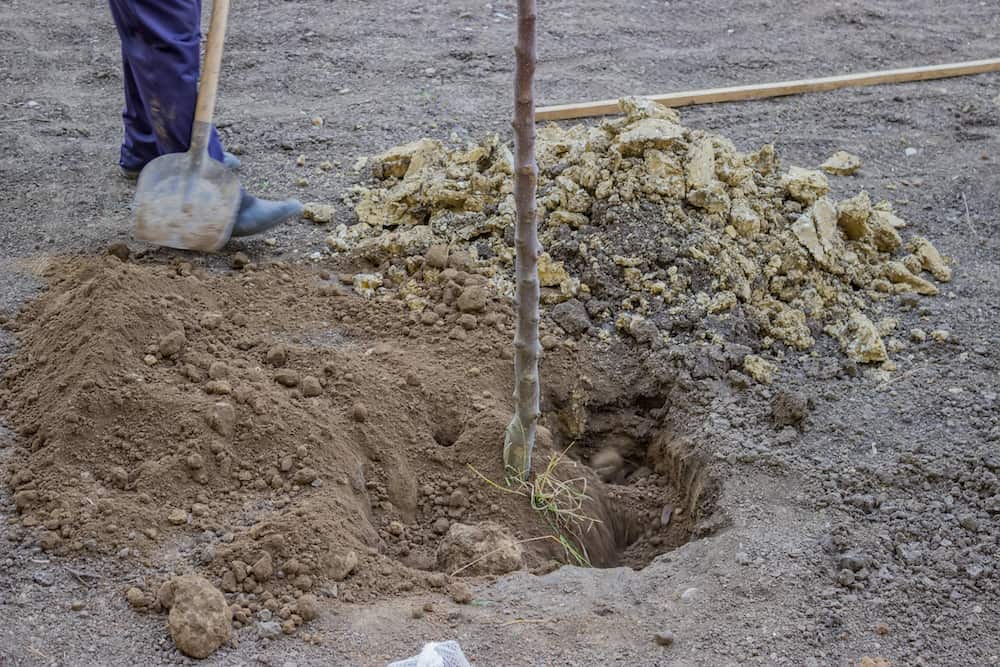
pixel 850 515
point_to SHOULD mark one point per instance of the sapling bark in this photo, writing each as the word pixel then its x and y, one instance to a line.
pixel 519 438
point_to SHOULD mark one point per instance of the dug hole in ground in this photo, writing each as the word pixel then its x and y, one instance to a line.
pixel 310 440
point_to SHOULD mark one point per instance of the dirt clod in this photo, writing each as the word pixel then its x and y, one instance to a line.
pixel 119 250
pixel 485 548
pixel 263 568
pixel 136 598
pixel 664 638
pixel 789 408
pixel 460 592
pixel 200 620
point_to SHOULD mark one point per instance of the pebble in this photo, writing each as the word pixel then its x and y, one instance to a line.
pixel 269 630
pixel 43 578
pixel 689 595
pixel 664 638
pixel 969 522
pixel 239 260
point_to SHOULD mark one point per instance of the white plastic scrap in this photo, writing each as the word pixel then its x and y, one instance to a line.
pixel 436 654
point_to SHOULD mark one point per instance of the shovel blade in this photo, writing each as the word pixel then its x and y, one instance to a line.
pixel 181 204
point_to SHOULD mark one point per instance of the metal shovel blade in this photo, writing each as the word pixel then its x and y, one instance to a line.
pixel 186 201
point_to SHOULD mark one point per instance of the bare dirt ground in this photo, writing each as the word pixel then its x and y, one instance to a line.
pixel 867 529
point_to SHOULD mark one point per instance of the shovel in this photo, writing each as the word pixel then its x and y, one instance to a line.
pixel 188 200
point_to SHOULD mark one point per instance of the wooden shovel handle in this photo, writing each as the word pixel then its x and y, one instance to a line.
pixel 209 85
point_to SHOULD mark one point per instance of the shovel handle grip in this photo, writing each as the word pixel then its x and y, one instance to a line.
pixel 209 85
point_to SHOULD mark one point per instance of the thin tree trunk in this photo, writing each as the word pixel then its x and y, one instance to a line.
pixel 520 435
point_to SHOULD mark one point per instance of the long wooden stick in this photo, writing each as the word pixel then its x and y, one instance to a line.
pixel 762 90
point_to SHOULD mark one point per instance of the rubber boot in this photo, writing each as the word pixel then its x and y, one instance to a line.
pixel 259 215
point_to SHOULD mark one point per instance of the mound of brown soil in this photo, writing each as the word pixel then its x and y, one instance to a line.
pixel 269 430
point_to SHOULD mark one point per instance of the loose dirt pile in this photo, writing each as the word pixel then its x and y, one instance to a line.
pixel 285 438
pixel 663 233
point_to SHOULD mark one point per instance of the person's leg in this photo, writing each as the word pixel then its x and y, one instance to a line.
pixel 164 52
pixel 163 44
pixel 138 142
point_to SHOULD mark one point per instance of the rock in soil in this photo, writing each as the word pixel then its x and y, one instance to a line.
pixel 200 621
pixel 789 408
pixel 485 548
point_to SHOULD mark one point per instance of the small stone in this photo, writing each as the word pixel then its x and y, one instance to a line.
pixel 307 606
pixel 136 598
pixel 881 629
pixel 845 577
pixel 941 335
pixel 239 260
pixel 359 412
pixel 664 638
pixel 572 317
pixel 263 568
pixel 472 299
pixel 841 163
pixel 221 418
pixel 969 522
pixel 549 342
pixel 318 213
pixel 171 344
pixel 340 564
pixel 287 377
pixel 759 368
pixel 805 185
pixel 200 621
pixel 305 476
pixel 43 578
pixel 218 388
pixel 150 360
pixel 867 661
pixel 277 355
pixel 437 256
pixel 229 584
pixel 788 408
pixel 77 605
pixel 460 592
pixel 689 595
pixel 853 214
pixel 311 386
pixel 269 630
pixel 918 335
pixel 119 250
pixel 177 517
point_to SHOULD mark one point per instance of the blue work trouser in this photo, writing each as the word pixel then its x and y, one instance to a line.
pixel 160 63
